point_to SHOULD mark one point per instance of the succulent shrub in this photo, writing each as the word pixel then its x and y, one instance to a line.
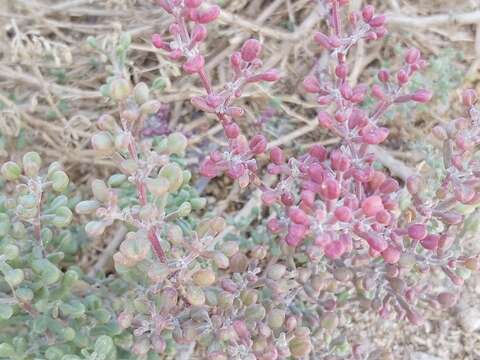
pixel 336 234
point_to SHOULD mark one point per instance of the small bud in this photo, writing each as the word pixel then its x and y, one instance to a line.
pixel 208 15
pixel 193 3
pixel 157 41
pixel 232 130
pixel 258 144
pixel 372 205
pixel 199 33
pixel 250 50
pixel 422 96
pixel 417 231
pixel 367 13
pixel 447 299
pixel 194 65
pixel 469 97
pixel 391 255
pixel 383 76
pixel 322 40
pixel 430 242
pixel 412 55
pixel 377 21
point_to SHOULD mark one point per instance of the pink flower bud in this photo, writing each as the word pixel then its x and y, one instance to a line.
pixel 322 40
pixel 208 168
pixel 389 186
pixel 334 249
pixel 258 144
pixel 375 135
pixel 235 111
pixel 430 242
pixel 232 130
pixel 175 54
pixel 359 93
pixel 235 60
pixel 235 171
pixel 334 41
pixel 412 55
pixel 165 4
pixel 391 255
pixel 377 21
pixel 276 156
pixel 353 18
pixel 318 151
pixel 417 231
pixel 192 3
pixel 376 242
pixel 340 117
pixel 381 31
pixel 316 173
pixel 469 97
pixel 311 84
pixel 274 226
pixel 447 299
pixel 298 216
pixel 296 233
pixel 383 76
pixel 343 214
pixel 402 77
pixel 372 205
pixel 325 119
pixel 157 41
pixel 241 329
pixel 414 317
pixel 331 189
pixel 250 50
pixel 308 197
pixel 371 36
pixel 287 198
pixel 346 91
pixel 206 16
pixel 324 100
pixel 194 65
pixel 271 75
pixel 378 92
pixel 358 118
pixel 341 71
pixel 339 160
pixel 367 13
pixel 199 33
pixel 422 96
pixel 383 217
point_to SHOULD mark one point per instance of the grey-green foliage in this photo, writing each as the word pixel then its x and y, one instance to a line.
pixel 48 309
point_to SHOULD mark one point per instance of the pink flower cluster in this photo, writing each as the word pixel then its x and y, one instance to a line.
pixel 333 202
